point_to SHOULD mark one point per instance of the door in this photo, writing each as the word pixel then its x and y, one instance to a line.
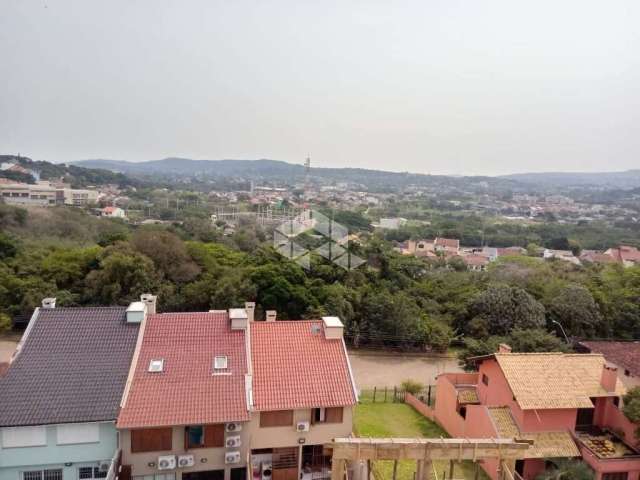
pixel 584 420
pixel 239 473
pixel 205 475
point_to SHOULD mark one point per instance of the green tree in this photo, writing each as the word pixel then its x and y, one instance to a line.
pixel 631 408
pixel 576 310
pixel 567 469
pixel 168 253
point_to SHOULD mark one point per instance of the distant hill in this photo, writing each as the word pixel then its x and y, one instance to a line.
pixel 626 179
pixel 279 171
pixel 77 176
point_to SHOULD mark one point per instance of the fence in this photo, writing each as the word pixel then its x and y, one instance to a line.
pixel 397 395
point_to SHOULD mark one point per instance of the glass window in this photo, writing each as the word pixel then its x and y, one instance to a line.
pixel 32 475
pixel 195 436
pixel 54 474
pixel 220 362
pixel 85 472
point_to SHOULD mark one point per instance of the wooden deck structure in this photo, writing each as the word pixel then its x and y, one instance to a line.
pixel 424 451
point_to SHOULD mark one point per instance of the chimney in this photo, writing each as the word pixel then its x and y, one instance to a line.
pixel 271 315
pixel 136 312
pixel 504 348
pixel 250 308
pixel 239 318
pixel 333 328
pixel 150 301
pixel 609 378
pixel 49 302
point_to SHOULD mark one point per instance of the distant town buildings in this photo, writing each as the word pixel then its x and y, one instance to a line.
pixel 46 193
pixel 113 212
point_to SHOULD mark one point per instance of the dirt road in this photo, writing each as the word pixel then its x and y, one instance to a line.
pixel 373 369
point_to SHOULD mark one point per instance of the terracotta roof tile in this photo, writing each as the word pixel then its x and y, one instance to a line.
pixel 554 380
pixel 624 354
pixel 556 444
pixel 187 392
pixel 295 366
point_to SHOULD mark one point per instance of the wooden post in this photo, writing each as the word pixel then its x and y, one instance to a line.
pixel 395 469
pixel 368 469
pixel 385 394
pixel 451 466
pixel 476 473
pixel 427 466
pixel 395 394
pixel 374 394
pixel 429 396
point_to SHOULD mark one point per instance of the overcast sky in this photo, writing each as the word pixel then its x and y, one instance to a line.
pixel 473 87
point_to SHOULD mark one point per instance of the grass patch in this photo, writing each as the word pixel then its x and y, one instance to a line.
pixel 383 420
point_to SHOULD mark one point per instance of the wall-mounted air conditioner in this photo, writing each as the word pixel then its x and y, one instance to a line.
pixel 185 461
pixel 233 442
pixel 233 427
pixel 232 457
pixel 302 427
pixel 167 462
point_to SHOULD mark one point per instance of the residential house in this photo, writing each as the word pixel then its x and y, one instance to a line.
pixel 624 254
pixel 476 262
pixel 593 256
pixel 624 355
pixel 214 395
pixel 113 212
pixel 447 245
pixel 568 405
pixel 565 255
pixel 60 396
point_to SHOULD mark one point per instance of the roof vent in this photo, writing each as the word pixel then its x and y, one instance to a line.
pixel 250 307
pixel 333 328
pixel 49 302
pixel 136 312
pixel 156 365
pixel 239 318
pixel 150 301
pixel 271 315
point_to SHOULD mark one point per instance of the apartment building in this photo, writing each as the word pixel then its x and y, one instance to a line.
pixel 60 396
pixel 217 396
pixel 567 405
pixel 45 193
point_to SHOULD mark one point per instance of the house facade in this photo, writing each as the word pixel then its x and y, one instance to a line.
pixel 60 395
pixel 217 396
pixel 567 405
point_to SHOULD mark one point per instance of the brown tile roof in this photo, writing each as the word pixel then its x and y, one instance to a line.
pixel 545 444
pixel 72 367
pixel 625 355
pixel 186 392
pixel 474 259
pixel 468 395
pixel 554 380
pixel 295 366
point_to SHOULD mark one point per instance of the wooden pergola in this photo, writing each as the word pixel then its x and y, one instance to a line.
pixel 425 450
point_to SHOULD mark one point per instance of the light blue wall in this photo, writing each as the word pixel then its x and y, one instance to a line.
pixel 15 460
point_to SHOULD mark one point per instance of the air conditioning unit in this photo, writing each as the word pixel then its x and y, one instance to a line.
pixel 302 427
pixel 104 466
pixel 233 442
pixel 185 461
pixel 233 427
pixel 167 462
pixel 232 457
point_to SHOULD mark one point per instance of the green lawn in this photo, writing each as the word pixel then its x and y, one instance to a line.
pixel 401 420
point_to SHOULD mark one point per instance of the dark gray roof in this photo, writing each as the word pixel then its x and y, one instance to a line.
pixel 73 367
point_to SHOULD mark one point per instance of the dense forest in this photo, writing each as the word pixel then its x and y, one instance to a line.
pixel 393 301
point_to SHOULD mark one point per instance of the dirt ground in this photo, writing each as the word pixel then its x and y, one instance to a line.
pixel 374 369
pixel 7 347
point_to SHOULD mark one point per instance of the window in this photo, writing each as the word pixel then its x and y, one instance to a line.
pixel 151 440
pixel 156 365
pixel 157 476
pixel 204 436
pixel 13 437
pixel 463 411
pixel 627 373
pixel 616 401
pixel 71 434
pixel 615 476
pixel 51 474
pixel 279 418
pixel 485 379
pixel 326 415
pixel 220 362
pixel 90 473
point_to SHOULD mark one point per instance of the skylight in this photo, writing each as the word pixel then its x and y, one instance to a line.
pixel 156 365
pixel 220 362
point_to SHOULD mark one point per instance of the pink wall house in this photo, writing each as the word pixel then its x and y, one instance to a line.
pixel 568 405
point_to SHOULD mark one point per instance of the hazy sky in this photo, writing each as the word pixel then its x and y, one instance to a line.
pixel 473 87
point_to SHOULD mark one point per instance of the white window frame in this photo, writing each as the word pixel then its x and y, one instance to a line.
pixel 220 362
pixel 18 437
pixel 154 363
pixel 94 469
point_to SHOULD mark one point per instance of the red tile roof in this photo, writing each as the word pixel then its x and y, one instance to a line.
pixel 187 392
pixel 625 355
pixel 447 242
pixel 474 259
pixel 295 366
